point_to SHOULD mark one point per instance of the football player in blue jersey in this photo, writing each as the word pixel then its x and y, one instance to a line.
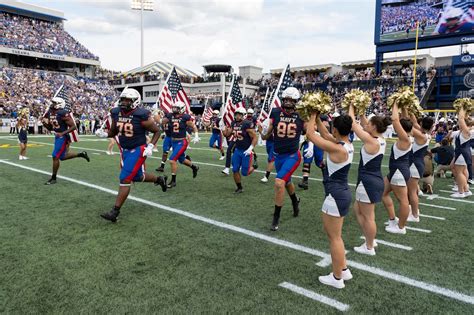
pixel 250 117
pixel 286 127
pixel 245 140
pixel 60 121
pixel 178 122
pixel 166 142
pixel 130 123
pixel 216 137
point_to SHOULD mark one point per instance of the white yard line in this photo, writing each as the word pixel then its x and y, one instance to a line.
pixel 436 206
pixel 432 217
pixel 315 296
pixel 417 229
pixel 273 240
pixel 390 244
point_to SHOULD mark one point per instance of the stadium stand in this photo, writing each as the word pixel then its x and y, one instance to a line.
pixel 32 34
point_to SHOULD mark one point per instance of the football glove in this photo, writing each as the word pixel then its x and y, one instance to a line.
pixel 101 133
pixel 148 150
pixel 309 152
pixel 196 138
pixel 248 151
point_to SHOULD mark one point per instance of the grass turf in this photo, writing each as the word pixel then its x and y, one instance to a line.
pixel 59 256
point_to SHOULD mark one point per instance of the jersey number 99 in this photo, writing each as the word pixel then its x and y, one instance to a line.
pixel 286 130
pixel 125 129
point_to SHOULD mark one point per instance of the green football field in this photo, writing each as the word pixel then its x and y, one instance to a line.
pixel 403 35
pixel 198 248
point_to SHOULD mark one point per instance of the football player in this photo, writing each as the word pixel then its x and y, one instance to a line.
pixel 60 121
pixel 166 142
pixel 286 127
pixel 216 137
pixel 245 140
pixel 250 117
pixel 130 123
pixel 178 122
pixel 453 22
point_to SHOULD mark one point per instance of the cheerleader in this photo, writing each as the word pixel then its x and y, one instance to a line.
pixel 370 183
pixel 399 173
pixel 338 195
pixel 462 155
pixel 23 137
pixel 421 141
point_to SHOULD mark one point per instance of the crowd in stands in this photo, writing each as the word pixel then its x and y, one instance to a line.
pixel 31 34
pixel 19 87
pixel 397 17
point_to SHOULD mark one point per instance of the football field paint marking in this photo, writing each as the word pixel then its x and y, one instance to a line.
pixel 273 240
pixel 454 199
pixel 325 262
pixel 436 206
pixel 417 229
pixel 390 244
pixel 256 171
pixel 315 296
pixel 431 217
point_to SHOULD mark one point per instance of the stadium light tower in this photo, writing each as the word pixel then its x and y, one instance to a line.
pixel 142 5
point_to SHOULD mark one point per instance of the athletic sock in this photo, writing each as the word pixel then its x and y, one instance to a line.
pixel 294 199
pixel 162 164
pixel 173 178
pixel 336 277
pixel 53 176
pixel 267 174
pixel 305 178
pixel 239 185
pixel 116 209
pixel 277 212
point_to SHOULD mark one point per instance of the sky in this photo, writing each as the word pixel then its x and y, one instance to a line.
pixel 193 33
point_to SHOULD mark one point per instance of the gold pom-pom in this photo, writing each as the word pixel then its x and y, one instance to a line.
pixel 405 98
pixel 359 99
pixel 466 103
pixel 311 103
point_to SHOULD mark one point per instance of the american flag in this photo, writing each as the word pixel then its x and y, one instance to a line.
pixel 264 111
pixel 285 82
pixel 206 116
pixel 172 92
pixel 62 92
pixel 234 101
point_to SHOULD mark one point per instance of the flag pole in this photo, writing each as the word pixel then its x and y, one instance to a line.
pixel 161 91
pixel 224 106
pixel 263 104
pixel 416 55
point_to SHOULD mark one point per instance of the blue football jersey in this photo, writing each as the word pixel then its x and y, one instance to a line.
pixel 241 135
pixel 215 121
pixel 287 129
pixel 131 133
pixel 58 118
pixel 177 124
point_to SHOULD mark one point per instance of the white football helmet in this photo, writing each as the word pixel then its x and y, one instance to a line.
pixel 250 111
pixel 58 103
pixel 130 94
pixel 179 107
pixel 240 111
pixel 453 13
pixel 291 93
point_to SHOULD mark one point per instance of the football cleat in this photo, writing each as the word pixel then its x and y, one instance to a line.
pixel 160 169
pixel 195 171
pixel 264 180
pixel 222 158
pixel 161 181
pixel 50 182
pixel 303 185
pixel 225 171
pixel 238 191
pixel 255 164
pixel 85 156
pixel 171 184
pixel 110 216
pixel 275 222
